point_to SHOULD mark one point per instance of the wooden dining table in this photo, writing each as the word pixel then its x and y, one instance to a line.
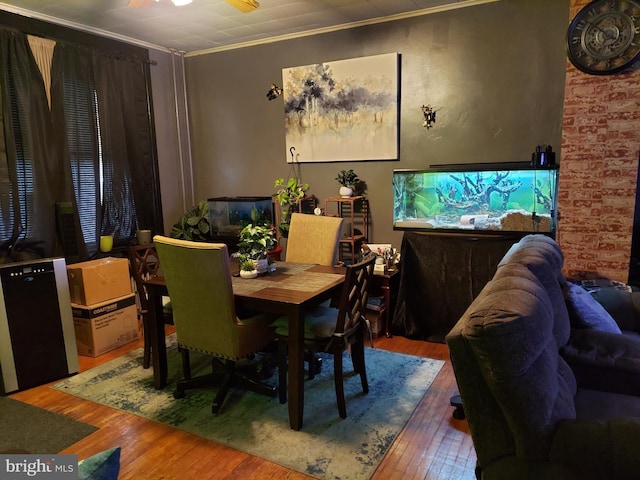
pixel 291 290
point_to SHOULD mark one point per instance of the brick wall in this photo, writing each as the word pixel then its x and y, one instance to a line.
pixel 598 170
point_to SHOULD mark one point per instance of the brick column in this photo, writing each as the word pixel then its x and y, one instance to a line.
pixel 598 170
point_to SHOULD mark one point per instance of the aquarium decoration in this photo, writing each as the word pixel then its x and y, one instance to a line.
pixel 491 198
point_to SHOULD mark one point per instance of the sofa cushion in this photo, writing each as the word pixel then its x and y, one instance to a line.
pixel 586 312
pixel 623 305
pixel 550 277
pixel 540 244
pixel 604 361
pixel 510 334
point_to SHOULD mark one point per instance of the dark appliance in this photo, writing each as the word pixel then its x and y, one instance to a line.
pixel 37 337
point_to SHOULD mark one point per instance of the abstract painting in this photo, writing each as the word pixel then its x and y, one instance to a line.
pixel 345 110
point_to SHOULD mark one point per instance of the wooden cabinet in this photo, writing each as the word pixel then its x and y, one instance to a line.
pixel 355 212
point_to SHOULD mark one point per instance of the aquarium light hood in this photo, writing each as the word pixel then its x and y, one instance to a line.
pixel 486 166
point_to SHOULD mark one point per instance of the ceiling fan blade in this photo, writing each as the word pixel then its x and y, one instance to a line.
pixel 139 3
pixel 245 6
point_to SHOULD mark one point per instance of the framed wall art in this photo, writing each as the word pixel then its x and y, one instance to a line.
pixel 346 110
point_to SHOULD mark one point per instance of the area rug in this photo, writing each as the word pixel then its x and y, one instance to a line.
pixel 327 447
pixel 38 431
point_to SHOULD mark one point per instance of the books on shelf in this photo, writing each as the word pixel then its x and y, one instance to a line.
pixel 375 303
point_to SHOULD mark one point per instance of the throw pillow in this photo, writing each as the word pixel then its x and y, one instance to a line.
pixel 586 312
pixel 101 466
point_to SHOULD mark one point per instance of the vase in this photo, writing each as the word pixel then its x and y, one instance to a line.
pixel 275 253
pixel 248 274
pixel 346 192
pixel 261 265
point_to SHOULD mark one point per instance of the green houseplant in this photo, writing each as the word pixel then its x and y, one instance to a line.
pixel 255 240
pixel 194 224
pixel 348 179
pixel 288 194
pixel 248 269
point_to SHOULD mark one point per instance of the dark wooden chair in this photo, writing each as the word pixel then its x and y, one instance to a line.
pixel 145 264
pixel 334 330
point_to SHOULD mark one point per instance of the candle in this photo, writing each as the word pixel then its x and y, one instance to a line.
pixel 106 243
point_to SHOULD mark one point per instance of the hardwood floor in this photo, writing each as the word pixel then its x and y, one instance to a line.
pixel 432 446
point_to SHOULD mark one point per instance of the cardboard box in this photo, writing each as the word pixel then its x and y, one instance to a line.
pixel 375 322
pixel 105 326
pixel 99 280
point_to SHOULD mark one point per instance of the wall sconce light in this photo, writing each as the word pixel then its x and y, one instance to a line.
pixel 274 92
pixel 429 116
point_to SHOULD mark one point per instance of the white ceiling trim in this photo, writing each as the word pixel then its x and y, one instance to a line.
pixel 104 33
pixel 345 26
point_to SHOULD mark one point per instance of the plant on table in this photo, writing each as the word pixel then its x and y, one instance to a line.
pixel 247 266
pixel 255 240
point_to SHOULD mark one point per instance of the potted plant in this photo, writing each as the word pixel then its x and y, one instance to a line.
pixel 254 242
pixel 194 224
pixel 288 194
pixel 348 179
pixel 248 269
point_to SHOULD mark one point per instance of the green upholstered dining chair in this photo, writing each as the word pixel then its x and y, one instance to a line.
pixel 199 283
pixel 144 265
pixel 334 330
pixel 313 239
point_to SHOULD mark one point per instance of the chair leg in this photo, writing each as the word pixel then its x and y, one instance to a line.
pixel 357 354
pixel 282 369
pixel 146 336
pixel 186 363
pixel 339 383
pixel 222 392
pixel 315 363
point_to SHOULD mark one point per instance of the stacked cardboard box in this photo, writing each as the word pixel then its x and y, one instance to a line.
pixel 104 309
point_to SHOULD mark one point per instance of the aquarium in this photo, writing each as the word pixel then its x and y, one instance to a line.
pixel 491 198
pixel 229 215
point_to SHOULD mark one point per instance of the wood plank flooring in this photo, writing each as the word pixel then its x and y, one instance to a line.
pixel 432 446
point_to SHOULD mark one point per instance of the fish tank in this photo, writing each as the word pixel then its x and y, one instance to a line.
pixel 229 215
pixel 490 198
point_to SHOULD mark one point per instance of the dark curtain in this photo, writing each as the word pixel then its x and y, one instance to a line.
pixel 33 176
pixel 440 276
pixel 92 149
pixel 125 130
pixel 72 101
pixel 99 92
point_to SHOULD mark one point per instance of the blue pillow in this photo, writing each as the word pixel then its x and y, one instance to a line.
pixel 586 312
pixel 101 466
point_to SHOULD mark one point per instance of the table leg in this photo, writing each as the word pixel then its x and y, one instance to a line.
pixel 296 369
pixel 157 337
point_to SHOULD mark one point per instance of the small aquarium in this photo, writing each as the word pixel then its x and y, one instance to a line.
pixel 492 198
pixel 229 215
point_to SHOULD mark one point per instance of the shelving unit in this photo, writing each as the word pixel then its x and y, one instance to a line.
pixel 355 212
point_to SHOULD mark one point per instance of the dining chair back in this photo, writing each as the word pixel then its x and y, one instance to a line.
pixel 144 265
pixel 313 239
pixel 335 330
pixel 198 279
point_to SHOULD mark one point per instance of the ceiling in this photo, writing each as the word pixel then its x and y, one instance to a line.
pixel 211 25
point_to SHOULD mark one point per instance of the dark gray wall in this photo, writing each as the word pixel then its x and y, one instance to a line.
pixel 494 72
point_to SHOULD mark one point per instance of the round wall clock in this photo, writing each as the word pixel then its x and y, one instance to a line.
pixel 604 37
